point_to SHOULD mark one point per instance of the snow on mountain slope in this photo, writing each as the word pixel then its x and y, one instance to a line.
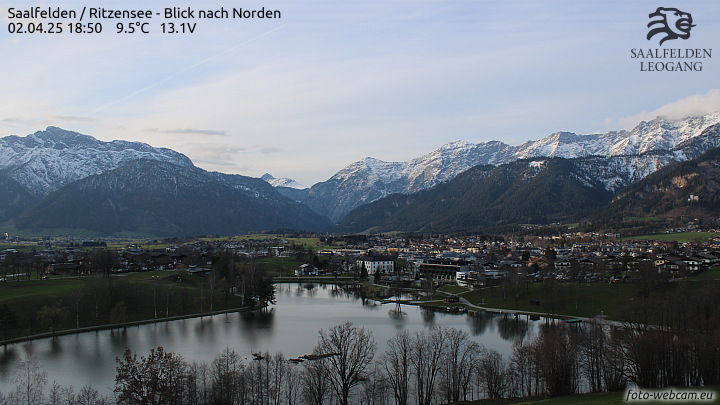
pixel 658 134
pixel 281 182
pixel 47 160
pixel 370 179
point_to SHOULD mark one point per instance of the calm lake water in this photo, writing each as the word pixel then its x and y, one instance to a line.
pixel 290 327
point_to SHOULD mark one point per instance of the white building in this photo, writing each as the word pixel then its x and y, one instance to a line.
pixel 375 264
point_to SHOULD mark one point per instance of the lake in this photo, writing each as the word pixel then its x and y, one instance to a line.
pixel 291 327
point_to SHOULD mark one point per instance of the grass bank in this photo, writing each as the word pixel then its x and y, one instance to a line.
pixel 39 306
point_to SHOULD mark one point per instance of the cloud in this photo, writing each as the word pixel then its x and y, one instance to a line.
pixel 698 104
pixel 213 157
pixel 188 131
pixel 14 121
pixel 71 118
pixel 270 149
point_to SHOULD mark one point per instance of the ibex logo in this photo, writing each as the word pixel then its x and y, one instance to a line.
pixel 671 23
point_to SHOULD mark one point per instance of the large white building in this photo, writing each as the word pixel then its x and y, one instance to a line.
pixel 375 264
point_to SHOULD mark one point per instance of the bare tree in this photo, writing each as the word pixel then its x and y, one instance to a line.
pixel 375 387
pixel 350 350
pixel 460 355
pixel 292 386
pixel 426 361
pixel 397 364
pixel 160 378
pixel 315 384
pixel 55 397
pixel 493 375
pixel 29 381
pixel 228 378
pixel 198 383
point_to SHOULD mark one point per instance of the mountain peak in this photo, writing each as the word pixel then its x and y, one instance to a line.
pixel 460 144
pixel 281 182
pixel 47 160
pixel 371 179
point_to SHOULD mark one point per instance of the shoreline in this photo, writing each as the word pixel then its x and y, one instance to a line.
pixel 121 325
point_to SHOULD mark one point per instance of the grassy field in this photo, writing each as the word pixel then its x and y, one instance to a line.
pixel 585 300
pixel 121 298
pixel 453 289
pixel 279 266
pixel 680 237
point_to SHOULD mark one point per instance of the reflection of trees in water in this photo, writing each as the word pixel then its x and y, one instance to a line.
pixel 512 328
pixel 55 347
pixel 258 319
pixel 370 304
pixel 310 289
pixel 255 326
pixel 336 291
pixel 205 327
pixel 480 322
pixel 118 337
pixel 340 292
pixel 428 315
pixel 8 356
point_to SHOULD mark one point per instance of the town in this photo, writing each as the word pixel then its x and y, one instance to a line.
pixel 471 261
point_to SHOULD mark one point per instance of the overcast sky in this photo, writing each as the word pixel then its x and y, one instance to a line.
pixel 332 82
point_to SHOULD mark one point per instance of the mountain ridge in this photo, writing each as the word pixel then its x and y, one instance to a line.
pixel 370 179
pixel 164 199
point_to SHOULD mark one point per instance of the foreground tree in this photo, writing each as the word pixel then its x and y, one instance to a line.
pixel 427 356
pixel 160 378
pixel 397 364
pixel 30 380
pixel 349 351
pixel 313 380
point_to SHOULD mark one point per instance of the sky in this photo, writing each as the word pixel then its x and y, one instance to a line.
pixel 331 82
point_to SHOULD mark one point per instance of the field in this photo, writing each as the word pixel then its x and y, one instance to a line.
pixel 95 301
pixel 571 299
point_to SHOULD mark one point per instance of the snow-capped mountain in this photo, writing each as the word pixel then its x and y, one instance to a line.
pixel 546 190
pixel 658 134
pixel 648 146
pixel 58 179
pixel 47 160
pixel 160 198
pixel 282 182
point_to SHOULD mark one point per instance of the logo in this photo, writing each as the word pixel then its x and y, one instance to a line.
pixel 671 23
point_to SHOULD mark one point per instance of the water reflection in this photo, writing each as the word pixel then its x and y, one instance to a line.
pixel 291 326
pixel 479 322
pixel 512 327
pixel 428 316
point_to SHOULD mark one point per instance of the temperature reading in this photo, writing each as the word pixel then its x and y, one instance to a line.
pixel 131 28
